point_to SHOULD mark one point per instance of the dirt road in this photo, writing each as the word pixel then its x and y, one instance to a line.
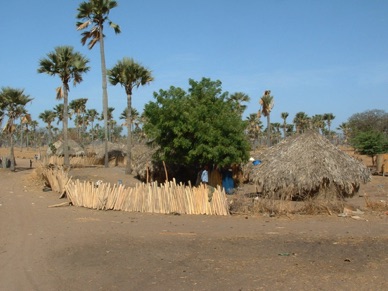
pixel 70 248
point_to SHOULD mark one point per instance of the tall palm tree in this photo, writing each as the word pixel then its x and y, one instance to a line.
pixel 13 102
pixel 68 65
pixel 48 117
pixel 129 74
pixel 94 13
pixel 284 116
pixel 267 103
pixel 254 127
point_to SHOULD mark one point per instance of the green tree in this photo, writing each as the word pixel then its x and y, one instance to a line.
pixel 370 143
pixel 13 102
pixel 267 103
pixel 197 127
pixel 68 65
pixel 129 74
pixel 95 13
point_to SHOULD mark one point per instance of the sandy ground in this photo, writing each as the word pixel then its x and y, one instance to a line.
pixel 70 248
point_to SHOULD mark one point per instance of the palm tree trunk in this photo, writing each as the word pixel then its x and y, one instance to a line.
pixel 104 95
pixel 11 152
pixel 66 159
pixel 268 130
pixel 128 169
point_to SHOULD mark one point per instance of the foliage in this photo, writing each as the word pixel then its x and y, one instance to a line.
pixel 370 143
pixel 196 127
pixel 370 120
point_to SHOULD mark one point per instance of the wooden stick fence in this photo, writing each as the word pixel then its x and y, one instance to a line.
pixel 169 197
pixel 152 198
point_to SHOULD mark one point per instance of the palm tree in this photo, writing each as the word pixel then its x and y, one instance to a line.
pixel 12 104
pixel 34 124
pixel 254 126
pixel 267 103
pixel 328 117
pixel 95 13
pixel 301 121
pixel 91 115
pixel 109 118
pixel 344 127
pixel 48 116
pixel 237 99
pixel 25 120
pixel 129 75
pixel 78 106
pixel 58 109
pixel 67 64
pixel 284 116
pixel 318 123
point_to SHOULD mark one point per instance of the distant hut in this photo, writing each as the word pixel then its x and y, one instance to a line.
pixel 57 148
pixel 308 165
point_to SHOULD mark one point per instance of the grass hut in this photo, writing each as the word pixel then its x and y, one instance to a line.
pixel 308 166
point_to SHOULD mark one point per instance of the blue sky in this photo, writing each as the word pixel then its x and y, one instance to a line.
pixel 315 56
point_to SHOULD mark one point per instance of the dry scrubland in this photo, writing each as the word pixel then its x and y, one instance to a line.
pixel 73 248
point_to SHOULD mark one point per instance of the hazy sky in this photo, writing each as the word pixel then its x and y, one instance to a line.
pixel 315 56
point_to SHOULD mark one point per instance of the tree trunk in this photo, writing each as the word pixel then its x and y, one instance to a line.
pixel 268 130
pixel 104 96
pixel 128 169
pixel 66 159
pixel 11 153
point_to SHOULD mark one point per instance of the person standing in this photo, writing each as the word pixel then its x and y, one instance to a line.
pixel 205 175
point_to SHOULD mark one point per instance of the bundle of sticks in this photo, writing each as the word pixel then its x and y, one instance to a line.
pixel 169 197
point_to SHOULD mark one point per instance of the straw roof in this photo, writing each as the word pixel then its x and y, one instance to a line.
pixel 308 165
pixel 74 148
pixel 114 149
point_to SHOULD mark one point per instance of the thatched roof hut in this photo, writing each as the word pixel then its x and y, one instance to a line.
pixel 74 148
pixel 308 165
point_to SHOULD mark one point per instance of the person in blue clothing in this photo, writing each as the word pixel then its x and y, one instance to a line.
pixel 205 175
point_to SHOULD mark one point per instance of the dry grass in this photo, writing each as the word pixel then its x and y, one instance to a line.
pixel 374 205
pixel 251 205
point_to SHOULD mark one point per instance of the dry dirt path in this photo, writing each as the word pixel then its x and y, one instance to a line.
pixel 72 248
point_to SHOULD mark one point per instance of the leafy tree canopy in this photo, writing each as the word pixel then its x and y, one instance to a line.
pixel 370 143
pixel 197 127
pixel 370 120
